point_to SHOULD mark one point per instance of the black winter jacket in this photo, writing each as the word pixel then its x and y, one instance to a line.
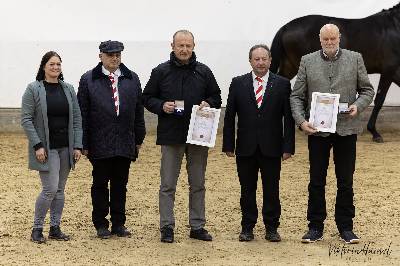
pixel 105 134
pixel 171 80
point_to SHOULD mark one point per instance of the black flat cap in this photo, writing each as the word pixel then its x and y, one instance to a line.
pixel 111 47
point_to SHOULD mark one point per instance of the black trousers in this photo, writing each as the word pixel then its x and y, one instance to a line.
pixel 248 168
pixel 116 171
pixel 344 157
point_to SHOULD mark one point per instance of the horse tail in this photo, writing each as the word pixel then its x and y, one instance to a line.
pixel 277 51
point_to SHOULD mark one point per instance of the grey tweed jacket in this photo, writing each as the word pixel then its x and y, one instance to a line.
pixel 345 75
pixel 34 120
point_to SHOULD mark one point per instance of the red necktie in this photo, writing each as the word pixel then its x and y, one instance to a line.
pixel 115 92
pixel 259 92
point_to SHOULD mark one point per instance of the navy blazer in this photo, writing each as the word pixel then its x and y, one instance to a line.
pixel 270 127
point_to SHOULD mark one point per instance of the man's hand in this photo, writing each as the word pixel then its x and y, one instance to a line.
pixel 286 156
pixel 230 154
pixel 353 110
pixel 85 152
pixel 169 107
pixel 203 104
pixel 308 128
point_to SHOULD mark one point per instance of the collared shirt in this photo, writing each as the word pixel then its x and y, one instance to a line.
pixel 117 74
pixel 326 57
pixel 264 82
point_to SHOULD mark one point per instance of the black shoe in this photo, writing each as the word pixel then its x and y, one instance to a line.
pixel 37 236
pixel 167 235
pixel 272 235
pixel 200 234
pixel 349 237
pixel 246 235
pixel 121 231
pixel 55 233
pixel 312 235
pixel 103 233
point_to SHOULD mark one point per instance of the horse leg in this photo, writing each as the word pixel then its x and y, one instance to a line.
pixel 383 88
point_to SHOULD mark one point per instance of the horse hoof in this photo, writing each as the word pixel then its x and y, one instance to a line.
pixel 378 139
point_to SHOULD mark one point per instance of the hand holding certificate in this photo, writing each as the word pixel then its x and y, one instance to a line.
pixel 203 126
pixel 324 110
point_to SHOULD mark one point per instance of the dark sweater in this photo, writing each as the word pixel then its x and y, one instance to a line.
pixel 58 115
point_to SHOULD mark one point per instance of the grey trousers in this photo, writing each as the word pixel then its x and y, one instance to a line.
pixel 196 163
pixel 53 185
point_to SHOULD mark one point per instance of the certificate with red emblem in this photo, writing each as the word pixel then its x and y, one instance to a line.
pixel 324 110
pixel 203 126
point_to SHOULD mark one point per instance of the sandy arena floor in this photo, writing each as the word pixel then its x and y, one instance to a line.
pixel 377 199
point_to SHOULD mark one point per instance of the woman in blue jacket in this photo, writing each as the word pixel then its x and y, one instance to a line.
pixel 51 118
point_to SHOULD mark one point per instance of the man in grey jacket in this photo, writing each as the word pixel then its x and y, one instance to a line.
pixel 337 71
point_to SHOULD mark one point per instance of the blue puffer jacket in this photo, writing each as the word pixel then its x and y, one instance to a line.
pixel 105 134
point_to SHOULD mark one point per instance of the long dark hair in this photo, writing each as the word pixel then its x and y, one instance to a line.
pixel 40 75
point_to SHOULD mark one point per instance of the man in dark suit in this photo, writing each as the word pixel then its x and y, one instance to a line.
pixel 110 98
pixel 265 135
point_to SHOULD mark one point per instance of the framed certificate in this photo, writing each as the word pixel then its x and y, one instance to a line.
pixel 203 126
pixel 324 110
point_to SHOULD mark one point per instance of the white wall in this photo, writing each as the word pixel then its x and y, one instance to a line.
pixel 224 31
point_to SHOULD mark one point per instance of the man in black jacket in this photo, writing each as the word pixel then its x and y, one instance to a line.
pixel 110 98
pixel 174 87
pixel 265 135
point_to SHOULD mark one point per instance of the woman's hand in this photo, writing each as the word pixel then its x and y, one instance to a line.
pixel 77 155
pixel 41 155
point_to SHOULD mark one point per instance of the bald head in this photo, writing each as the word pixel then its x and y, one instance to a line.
pixel 329 37
pixel 329 28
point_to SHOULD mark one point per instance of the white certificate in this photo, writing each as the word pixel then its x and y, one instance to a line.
pixel 324 110
pixel 203 126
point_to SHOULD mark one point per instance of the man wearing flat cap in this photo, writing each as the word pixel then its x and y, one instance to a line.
pixel 109 96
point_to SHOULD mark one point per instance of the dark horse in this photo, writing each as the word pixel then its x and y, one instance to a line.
pixel 376 37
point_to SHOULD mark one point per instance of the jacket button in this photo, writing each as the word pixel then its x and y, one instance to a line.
pixel 258 115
